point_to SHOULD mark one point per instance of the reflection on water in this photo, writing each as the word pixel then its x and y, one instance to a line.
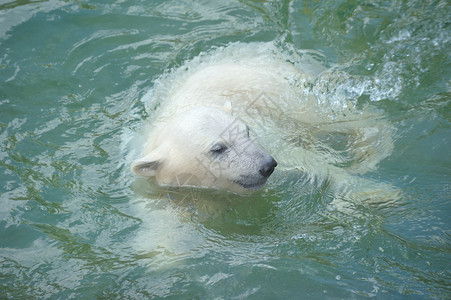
pixel 75 222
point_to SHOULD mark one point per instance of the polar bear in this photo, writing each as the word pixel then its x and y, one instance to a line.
pixel 226 119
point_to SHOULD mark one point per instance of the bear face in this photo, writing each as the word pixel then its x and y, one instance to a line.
pixel 205 147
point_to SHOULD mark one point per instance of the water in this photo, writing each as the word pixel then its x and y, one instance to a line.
pixel 75 223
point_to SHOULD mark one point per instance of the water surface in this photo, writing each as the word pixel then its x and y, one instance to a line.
pixel 75 223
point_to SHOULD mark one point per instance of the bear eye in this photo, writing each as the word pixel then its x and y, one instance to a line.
pixel 218 148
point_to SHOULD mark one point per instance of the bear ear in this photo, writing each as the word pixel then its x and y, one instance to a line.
pixel 227 107
pixel 146 166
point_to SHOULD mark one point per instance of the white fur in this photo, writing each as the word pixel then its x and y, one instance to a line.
pixel 216 96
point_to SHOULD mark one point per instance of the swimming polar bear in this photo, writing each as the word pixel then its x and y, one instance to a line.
pixel 210 117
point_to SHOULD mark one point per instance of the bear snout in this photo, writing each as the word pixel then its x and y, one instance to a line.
pixel 269 164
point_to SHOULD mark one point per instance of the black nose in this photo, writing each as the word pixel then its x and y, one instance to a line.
pixel 268 166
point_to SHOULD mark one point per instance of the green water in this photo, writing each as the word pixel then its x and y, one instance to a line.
pixel 75 223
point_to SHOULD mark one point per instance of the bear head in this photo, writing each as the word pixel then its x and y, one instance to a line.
pixel 205 147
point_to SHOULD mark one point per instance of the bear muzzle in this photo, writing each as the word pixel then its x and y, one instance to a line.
pixel 253 182
pixel 268 166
